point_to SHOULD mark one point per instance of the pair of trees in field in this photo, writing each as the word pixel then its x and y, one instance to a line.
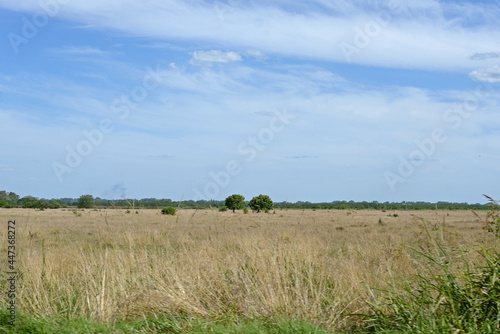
pixel 258 203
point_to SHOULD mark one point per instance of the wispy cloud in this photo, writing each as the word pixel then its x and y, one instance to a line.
pixel 425 35
pixel 485 55
pixel 161 156
pixel 264 113
pixel 256 54
pixel 490 74
pixel 302 157
pixel 80 51
pixel 214 56
pixel 6 168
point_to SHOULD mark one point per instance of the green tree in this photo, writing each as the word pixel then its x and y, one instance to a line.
pixel 235 202
pixel 86 202
pixel 42 204
pixel 13 197
pixel 9 197
pixel 54 204
pixel 28 202
pixel 261 203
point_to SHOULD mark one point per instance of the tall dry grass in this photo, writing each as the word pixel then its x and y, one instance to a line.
pixel 308 265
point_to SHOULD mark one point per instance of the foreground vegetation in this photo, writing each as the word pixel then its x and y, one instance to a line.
pixel 173 324
pixel 285 272
pixel 465 301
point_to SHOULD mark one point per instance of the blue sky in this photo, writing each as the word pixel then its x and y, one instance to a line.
pixel 301 100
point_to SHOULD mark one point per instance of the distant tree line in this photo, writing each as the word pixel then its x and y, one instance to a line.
pixel 351 205
pixel 12 200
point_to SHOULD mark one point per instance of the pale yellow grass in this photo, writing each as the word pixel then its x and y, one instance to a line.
pixel 310 265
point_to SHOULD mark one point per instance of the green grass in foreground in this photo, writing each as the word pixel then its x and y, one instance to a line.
pixel 26 324
pixel 463 301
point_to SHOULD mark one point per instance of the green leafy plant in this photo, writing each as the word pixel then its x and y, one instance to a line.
pixel 168 211
pixel 261 203
pixel 223 208
pixel 492 223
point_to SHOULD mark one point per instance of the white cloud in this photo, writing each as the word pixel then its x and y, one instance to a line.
pixel 214 56
pixel 301 157
pixel 485 55
pixel 407 37
pixel 490 74
pixel 80 51
pixel 256 54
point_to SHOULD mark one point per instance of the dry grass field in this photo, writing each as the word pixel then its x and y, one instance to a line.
pixel 310 265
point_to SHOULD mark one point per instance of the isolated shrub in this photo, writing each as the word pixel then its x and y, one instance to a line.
pixel 261 203
pixel 168 211
pixel 85 202
pixel 245 210
pixel 235 202
pixel 223 208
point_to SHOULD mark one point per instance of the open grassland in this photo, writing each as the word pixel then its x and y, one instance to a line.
pixel 109 265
